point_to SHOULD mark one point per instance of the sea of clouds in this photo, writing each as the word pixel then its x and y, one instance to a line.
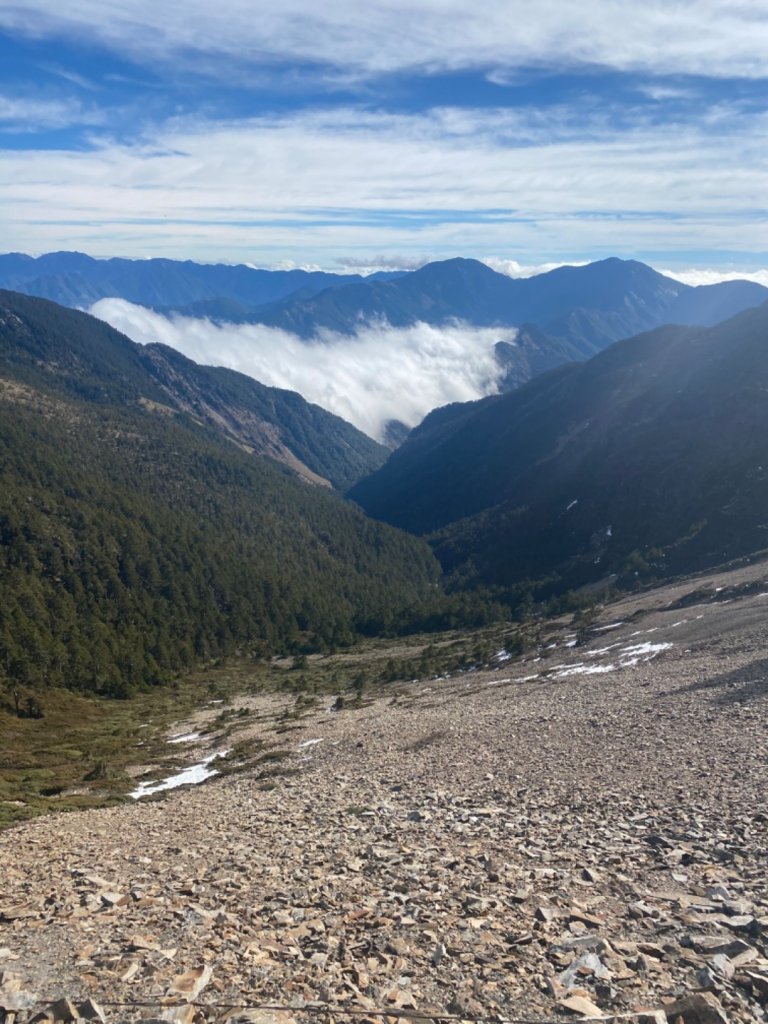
pixel 380 373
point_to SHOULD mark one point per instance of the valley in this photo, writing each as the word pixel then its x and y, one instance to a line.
pixel 577 830
pixel 295 727
pixel 383 512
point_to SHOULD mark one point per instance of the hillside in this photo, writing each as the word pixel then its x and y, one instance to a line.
pixel 649 458
pixel 268 421
pixel 136 540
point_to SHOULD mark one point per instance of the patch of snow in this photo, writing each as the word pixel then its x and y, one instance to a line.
pixel 635 653
pixel 503 655
pixel 310 743
pixel 191 776
pixel 186 737
pixel 527 679
pixel 585 670
pixel 679 623
pixel 611 625
pixel 602 650
pixel 574 502
pixel 570 643
pixel 629 657
pixel 646 648
pixel 609 532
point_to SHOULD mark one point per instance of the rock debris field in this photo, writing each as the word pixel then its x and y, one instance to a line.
pixel 580 832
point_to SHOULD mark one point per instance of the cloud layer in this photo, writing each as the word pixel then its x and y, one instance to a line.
pixel 319 133
pixel 322 184
pixel 710 37
pixel 380 374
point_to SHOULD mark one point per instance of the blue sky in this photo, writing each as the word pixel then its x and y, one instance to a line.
pixel 349 135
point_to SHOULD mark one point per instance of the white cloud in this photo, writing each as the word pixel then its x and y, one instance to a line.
pixel 698 277
pixel 514 269
pixel 327 184
pixel 381 373
pixel 511 268
pixel 371 264
pixel 710 37
pixel 34 114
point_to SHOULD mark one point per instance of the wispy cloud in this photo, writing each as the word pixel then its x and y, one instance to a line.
pixel 368 378
pixel 370 264
pixel 712 37
pixel 34 114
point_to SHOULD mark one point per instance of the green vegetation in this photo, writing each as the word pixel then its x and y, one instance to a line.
pixel 135 545
pixel 76 754
pixel 130 551
pixel 647 461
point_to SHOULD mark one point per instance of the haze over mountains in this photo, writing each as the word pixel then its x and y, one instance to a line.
pixel 388 347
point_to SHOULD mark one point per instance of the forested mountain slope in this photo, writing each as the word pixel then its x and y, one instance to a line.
pixel 650 457
pixel 104 363
pixel 136 541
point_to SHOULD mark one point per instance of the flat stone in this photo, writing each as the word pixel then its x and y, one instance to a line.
pixel 695 1009
pixel 190 984
pixel 582 1005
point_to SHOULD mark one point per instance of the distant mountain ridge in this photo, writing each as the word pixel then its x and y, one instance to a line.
pixel 587 307
pixel 76 279
pixel 651 457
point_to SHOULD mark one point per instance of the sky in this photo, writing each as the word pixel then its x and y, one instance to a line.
pixel 345 135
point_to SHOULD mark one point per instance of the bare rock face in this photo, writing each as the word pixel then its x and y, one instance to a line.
pixel 538 840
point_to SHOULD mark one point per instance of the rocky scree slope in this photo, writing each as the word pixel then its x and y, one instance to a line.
pixel 580 832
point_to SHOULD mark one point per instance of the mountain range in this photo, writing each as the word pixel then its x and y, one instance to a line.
pixel 565 315
pixel 650 458
pixel 78 280
pixel 155 513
